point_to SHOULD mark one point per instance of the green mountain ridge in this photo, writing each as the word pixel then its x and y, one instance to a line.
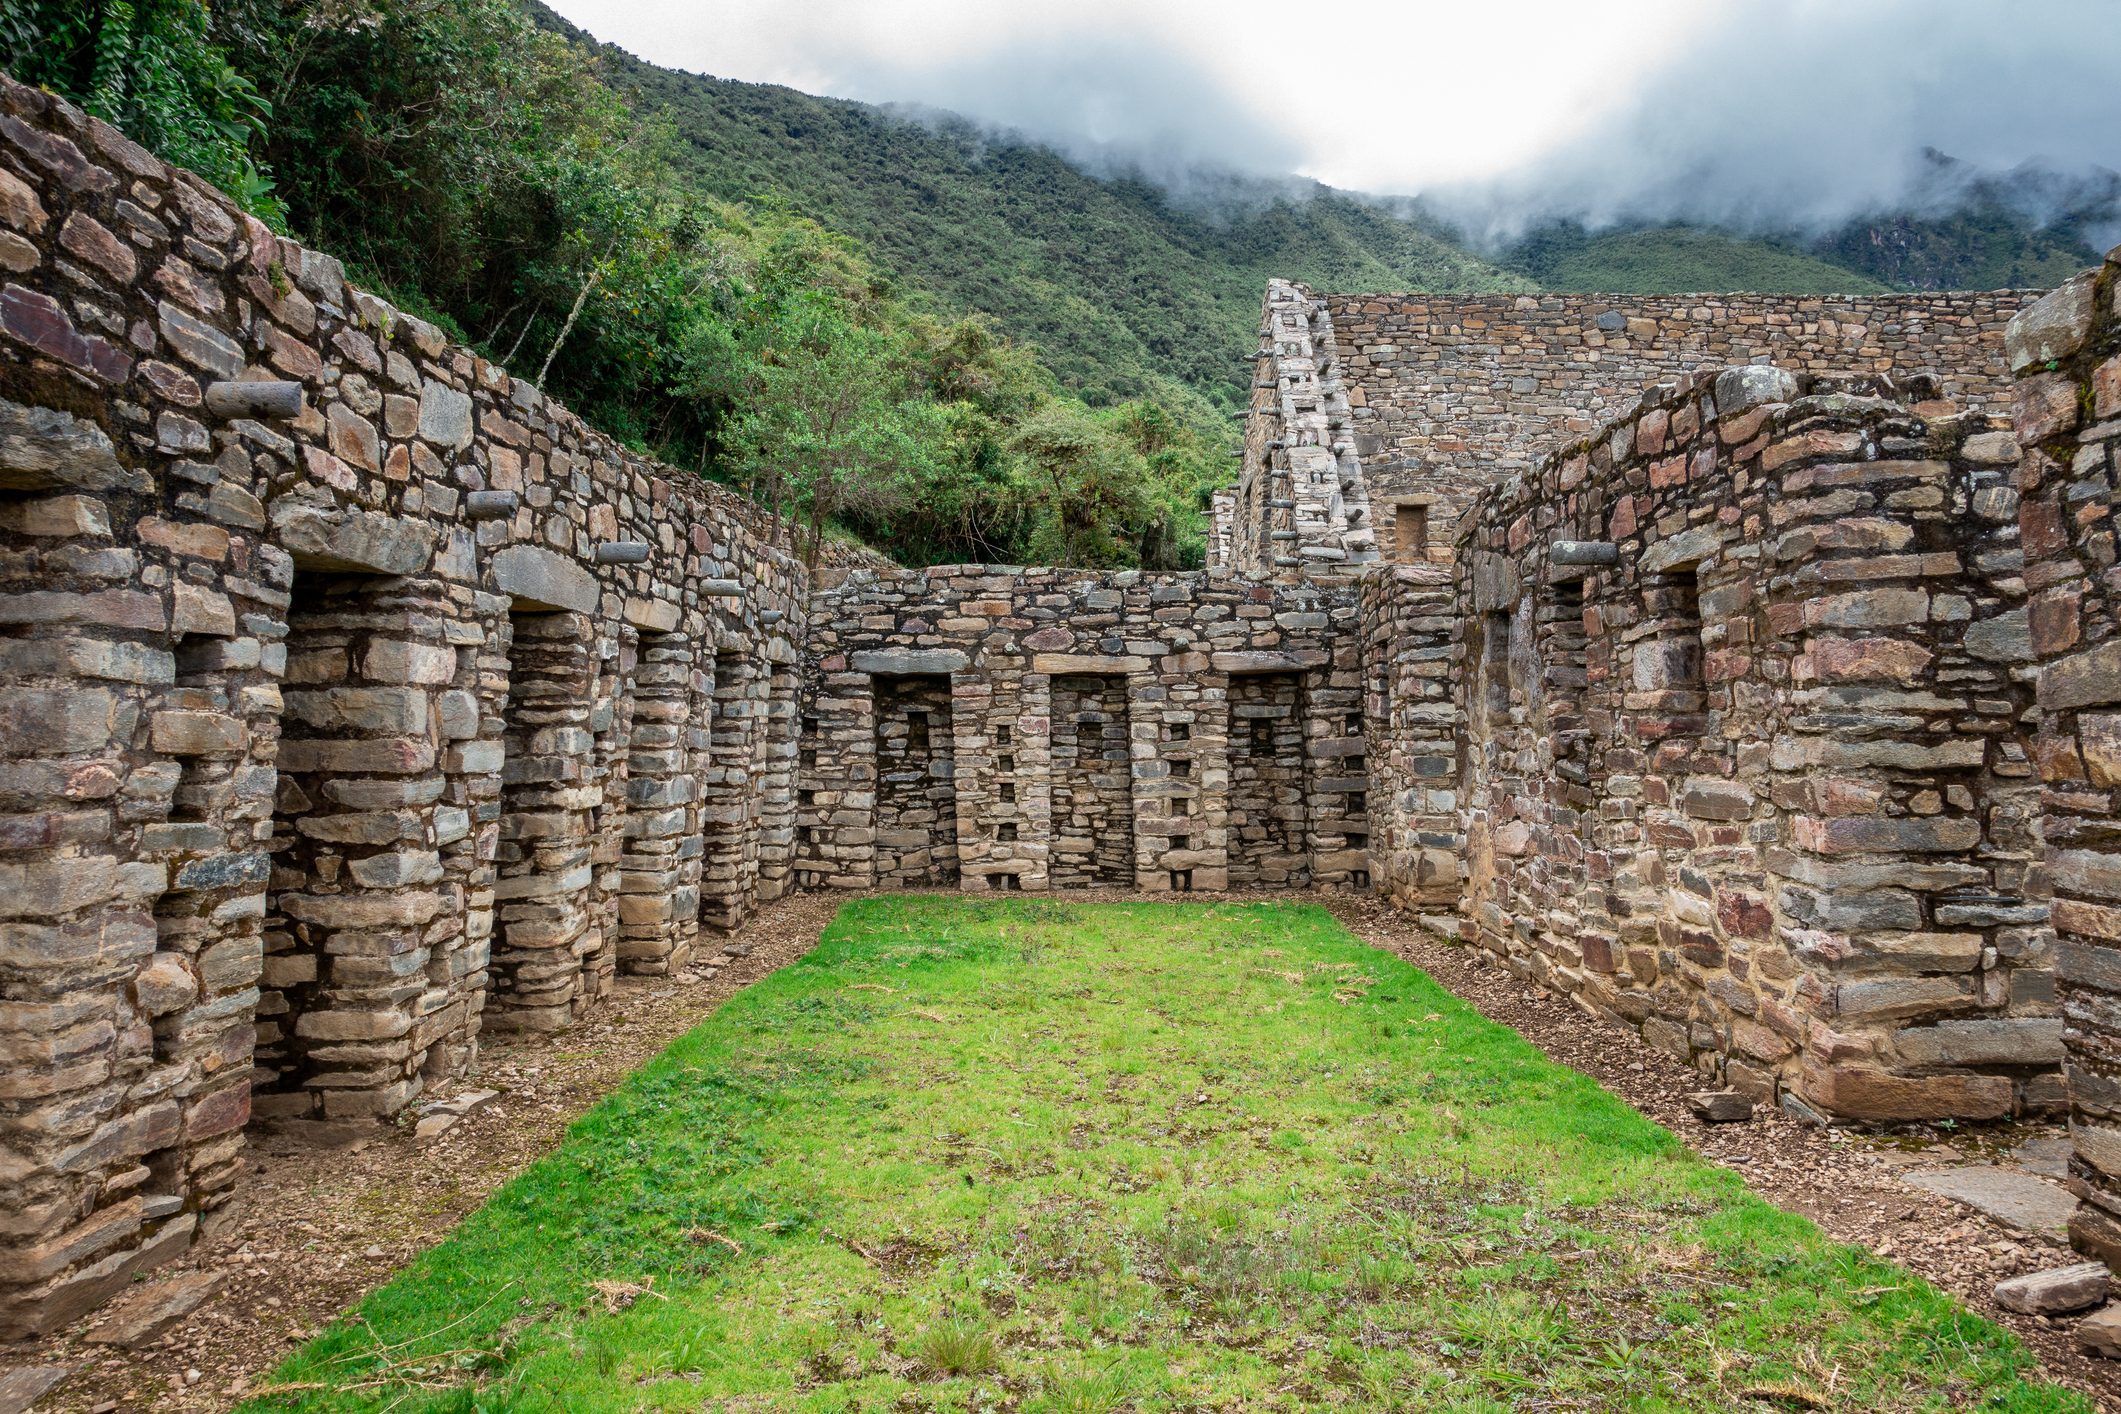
pixel 1122 289
pixel 1128 291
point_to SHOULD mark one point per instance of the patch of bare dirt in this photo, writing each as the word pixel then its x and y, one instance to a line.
pixel 1846 1182
pixel 322 1227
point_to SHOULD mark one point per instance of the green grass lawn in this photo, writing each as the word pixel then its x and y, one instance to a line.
pixel 1044 1156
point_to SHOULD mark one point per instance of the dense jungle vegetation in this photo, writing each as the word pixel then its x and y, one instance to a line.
pixel 951 344
pixel 474 168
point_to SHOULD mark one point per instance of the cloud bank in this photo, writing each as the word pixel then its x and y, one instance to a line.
pixel 1753 114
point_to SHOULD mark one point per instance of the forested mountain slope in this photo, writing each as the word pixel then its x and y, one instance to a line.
pixel 1119 284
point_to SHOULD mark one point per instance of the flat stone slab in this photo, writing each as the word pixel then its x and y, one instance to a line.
pixel 909 662
pixel 143 1313
pixel 537 578
pixel 21 1388
pixel 2055 1291
pixel 2012 1196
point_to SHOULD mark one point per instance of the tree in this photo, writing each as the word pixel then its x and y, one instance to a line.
pixel 832 429
pixel 150 68
pixel 1091 487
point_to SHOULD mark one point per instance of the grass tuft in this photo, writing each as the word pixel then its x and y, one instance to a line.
pixel 956 1348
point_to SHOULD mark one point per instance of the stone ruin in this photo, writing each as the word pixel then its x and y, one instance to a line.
pixel 361 698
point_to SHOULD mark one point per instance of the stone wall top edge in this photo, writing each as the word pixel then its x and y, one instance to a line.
pixel 320 276
pixel 859 580
pixel 1541 302
pixel 1818 401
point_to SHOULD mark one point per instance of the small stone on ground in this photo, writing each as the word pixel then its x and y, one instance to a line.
pixel 143 1313
pixel 2055 1291
pixel 1720 1106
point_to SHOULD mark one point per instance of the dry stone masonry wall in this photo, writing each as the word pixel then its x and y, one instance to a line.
pixel 2066 352
pixel 361 698
pixel 1100 728
pixel 1448 393
pixel 1742 678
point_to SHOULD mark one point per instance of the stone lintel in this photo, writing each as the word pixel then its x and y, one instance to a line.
pixel 536 578
pixel 897 662
pixel 1293 660
pixel 344 540
pixel 652 615
pixel 1681 551
pixel 1088 663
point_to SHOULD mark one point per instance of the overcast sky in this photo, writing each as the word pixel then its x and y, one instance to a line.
pixel 1802 109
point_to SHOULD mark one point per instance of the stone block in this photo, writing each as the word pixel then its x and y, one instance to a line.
pixel 445 415
pixel 536 578
pixel 2056 1291
pixel 344 540
pixel 1872 1096
pixel 904 662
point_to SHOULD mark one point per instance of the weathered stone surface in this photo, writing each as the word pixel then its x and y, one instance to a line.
pixel 2100 1333
pixel 539 579
pixel 445 415
pixel 2056 1291
pixel 43 448
pixel 906 661
pixel 1738 390
pixel 1720 1106
pixel 146 1312
pixel 345 540
pixel 23 1386
pixel 2010 1196
pixel 2052 327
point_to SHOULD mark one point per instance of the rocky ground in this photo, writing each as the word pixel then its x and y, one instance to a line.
pixel 324 1227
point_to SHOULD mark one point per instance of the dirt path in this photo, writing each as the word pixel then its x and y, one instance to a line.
pixel 324 1227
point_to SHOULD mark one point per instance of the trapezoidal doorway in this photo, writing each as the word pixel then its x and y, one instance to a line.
pixel 916 783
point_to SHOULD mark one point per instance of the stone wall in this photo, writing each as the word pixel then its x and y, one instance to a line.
pixel 1743 762
pixel 1448 393
pixel 361 697
pixel 1090 726
pixel 2066 352
pixel 1409 631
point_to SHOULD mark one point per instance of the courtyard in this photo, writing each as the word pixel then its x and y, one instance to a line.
pixel 1060 1156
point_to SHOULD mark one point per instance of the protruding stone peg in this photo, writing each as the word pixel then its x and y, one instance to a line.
pixel 621 552
pixel 721 588
pixel 1585 552
pixel 770 616
pixel 491 505
pixel 276 399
